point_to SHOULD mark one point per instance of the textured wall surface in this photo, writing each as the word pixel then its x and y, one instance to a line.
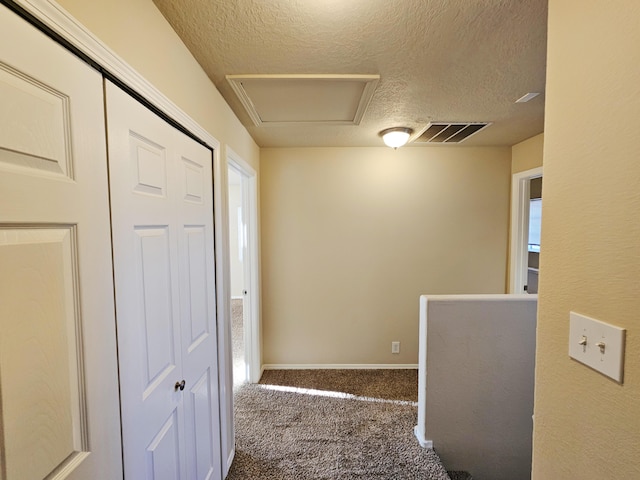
pixel 351 237
pixel 586 425
pixel 137 32
pixel 527 154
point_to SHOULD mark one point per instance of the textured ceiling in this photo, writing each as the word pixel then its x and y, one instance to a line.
pixel 438 60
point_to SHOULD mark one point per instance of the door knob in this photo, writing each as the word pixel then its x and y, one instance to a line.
pixel 180 385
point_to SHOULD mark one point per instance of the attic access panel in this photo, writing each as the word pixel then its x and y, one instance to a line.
pixel 443 132
pixel 285 100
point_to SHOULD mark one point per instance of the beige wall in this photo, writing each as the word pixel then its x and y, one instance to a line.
pixel 527 154
pixel 351 237
pixel 138 33
pixel 586 425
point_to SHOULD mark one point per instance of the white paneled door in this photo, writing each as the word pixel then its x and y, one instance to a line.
pixel 162 218
pixel 59 415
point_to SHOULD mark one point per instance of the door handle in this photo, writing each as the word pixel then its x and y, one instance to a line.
pixel 180 385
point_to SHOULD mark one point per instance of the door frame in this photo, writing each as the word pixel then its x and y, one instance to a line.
pixel 518 252
pixel 252 333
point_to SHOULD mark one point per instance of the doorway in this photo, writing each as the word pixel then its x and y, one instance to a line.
pixel 237 246
pixel 243 261
pixel 535 224
pixel 526 200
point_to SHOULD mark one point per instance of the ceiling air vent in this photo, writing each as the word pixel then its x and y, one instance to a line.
pixel 442 132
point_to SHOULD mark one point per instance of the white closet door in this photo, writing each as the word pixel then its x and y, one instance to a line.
pixel 162 220
pixel 59 415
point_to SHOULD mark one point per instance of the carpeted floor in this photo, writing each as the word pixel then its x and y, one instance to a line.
pixel 237 342
pixel 333 425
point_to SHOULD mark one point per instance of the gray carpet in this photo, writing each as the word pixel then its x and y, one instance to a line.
pixel 333 425
pixel 460 476
pixel 237 342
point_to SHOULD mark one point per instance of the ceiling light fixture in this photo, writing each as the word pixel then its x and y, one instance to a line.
pixel 396 137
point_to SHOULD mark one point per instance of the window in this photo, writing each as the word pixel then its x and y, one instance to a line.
pixel 535 221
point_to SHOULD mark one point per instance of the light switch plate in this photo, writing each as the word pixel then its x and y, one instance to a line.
pixel 597 344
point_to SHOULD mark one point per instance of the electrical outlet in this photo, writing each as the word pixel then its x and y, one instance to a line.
pixel 597 344
pixel 395 347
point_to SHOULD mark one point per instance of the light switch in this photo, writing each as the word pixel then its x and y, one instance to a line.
pixel 597 344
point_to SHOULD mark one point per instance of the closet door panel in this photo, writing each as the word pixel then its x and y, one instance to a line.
pixel 146 281
pixel 201 404
pixel 58 374
pixel 153 289
pixel 163 453
pixel 162 216
pixel 198 313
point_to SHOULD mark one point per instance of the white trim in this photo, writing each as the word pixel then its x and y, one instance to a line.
pixel 520 228
pixel 223 264
pixel 370 84
pixel 253 334
pixel 340 366
pixel 424 443
pixel 225 358
pixel 240 163
pixel 499 297
pixel 230 458
pixel 61 22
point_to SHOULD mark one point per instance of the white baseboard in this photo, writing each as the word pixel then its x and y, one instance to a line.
pixel 424 443
pixel 340 366
pixel 257 380
pixel 230 461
